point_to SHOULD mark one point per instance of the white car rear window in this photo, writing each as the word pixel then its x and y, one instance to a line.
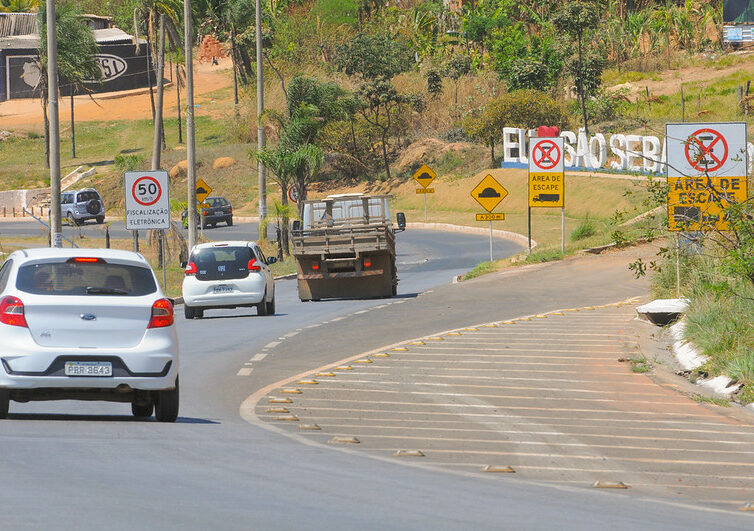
pixel 86 278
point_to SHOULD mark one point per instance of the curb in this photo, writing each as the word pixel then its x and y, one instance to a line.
pixel 508 235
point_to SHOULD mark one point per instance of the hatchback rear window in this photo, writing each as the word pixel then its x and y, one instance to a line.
pixel 87 196
pixel 84 278
pixel 222 263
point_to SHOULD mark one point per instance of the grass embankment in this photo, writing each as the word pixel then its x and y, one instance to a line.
pixel 719 319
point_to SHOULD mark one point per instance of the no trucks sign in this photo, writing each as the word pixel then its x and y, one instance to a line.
pixel 706 172
pixel 546 175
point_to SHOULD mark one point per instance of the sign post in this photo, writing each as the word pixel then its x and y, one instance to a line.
pixel 489 193
pixel 424 176
pixel 147 196
pixel 547 179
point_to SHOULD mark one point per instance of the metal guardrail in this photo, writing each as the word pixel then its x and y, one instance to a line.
pixel 48 228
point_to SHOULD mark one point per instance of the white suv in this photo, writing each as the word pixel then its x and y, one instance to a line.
pixel 86 324
pixel 227 275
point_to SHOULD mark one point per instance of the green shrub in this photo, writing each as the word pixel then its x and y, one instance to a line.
pixel 126 162
pixel 544 255
pixel 584 230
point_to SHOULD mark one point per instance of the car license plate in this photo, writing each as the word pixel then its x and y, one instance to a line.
pixel 88 368
pixel 223 289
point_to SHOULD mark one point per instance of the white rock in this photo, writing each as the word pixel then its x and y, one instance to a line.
pixel 687 354
pixel 719 385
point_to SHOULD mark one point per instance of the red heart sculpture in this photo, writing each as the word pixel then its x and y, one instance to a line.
pixel 546 130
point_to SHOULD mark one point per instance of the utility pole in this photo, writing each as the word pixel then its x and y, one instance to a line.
pixel 56 236
pixel 157 144
pixel 260 109
pixel 190 145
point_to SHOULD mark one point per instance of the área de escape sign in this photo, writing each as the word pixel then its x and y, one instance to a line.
pixel 546 172
pixel 147 200
pixel 706 169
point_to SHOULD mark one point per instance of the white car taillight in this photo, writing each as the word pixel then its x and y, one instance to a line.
pixel 162 314
pixel 191 269
pixel 12 311
pixel 252 266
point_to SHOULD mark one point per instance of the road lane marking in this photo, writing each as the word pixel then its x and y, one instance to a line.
pixel 272 344
pixel 503 407
pixel 259 357
pixel 244 372
pixel 355 427
pixel 600 423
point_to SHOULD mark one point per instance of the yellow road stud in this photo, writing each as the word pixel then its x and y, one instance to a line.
pixel 344 440
pixel 312 427
pixel 324 374
pixel 381 355
pixel 408 453
pixel 278 410
pixel 365 360
pixel 400 349
pixel 275 400
pixel 343 368
pixel 291 391
pixel 307 382
pixel 291 418
pixel 498 469
pixel 609 485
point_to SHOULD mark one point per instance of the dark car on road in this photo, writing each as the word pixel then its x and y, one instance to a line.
pixel 218 210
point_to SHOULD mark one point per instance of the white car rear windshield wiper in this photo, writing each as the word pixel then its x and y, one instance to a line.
pixel 91 290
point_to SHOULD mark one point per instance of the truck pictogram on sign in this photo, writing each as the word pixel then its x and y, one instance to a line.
pixel 706 150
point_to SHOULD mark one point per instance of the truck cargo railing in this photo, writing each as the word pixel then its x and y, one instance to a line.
pixel 334 240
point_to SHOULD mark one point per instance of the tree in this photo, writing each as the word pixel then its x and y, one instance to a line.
pixel 524 109
pixel 281 213
pixel 76 53
pixel 578 19
pixel 373 57
pixel 458 66
pixel 18 6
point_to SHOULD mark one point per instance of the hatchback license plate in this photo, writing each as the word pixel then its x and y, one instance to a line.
pixel 223 289
pixel 88 368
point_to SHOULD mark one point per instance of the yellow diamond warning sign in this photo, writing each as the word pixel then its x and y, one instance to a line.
pixel 424 175
pixel 202 190
pixel 489 193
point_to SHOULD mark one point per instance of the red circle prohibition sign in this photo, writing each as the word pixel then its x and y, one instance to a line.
pixel 546 154
pixel 700 150
pixel 146 191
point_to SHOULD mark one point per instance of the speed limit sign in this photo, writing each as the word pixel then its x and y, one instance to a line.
pixel 147 200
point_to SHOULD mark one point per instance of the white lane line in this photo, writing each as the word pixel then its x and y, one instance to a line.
pixel 334 385
pixel 586 457
pixel 313 326
pixel 337 319
pixel 453 405
pixel 338 414
pixel 381 306
pixel 360 312
pixel 248 363
pixel 271 344
pixel 259 357
pixel 291 334
pixel 622 400
pixel 244 372
pixel 427 349
pixel 514 361
pixel 418 378
pixel 600 423
pixel 342 426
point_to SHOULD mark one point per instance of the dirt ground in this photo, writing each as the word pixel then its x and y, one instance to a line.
pixel 670 80
pixel 26 114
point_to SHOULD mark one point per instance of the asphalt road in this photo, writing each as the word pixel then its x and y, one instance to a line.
pixel 90 465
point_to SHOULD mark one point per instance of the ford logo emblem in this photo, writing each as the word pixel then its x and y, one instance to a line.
pixel 88 317
pixel 112 67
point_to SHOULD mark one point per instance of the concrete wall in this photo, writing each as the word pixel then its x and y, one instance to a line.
pixel 19 199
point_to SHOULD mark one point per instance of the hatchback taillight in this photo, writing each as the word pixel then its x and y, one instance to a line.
pixel 253 265
pixel 367 262
pixel 12 311
pixel 191 269
pixel 315 266
pixel 162 314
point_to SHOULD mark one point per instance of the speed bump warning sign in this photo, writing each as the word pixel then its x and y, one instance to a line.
pixel 424 175
pixel 489 193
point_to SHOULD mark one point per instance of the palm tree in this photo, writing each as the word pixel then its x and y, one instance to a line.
pixel 281 213
pixel 76 53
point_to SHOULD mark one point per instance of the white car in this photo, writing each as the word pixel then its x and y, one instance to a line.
pixel 87 324
pixel 228 275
